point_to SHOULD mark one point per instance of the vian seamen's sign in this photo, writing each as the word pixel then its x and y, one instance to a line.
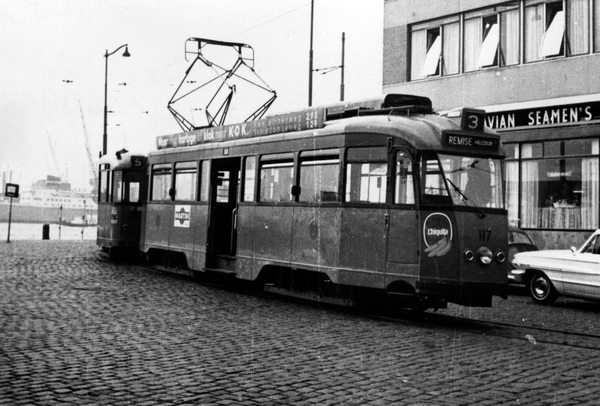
pixel 542 116
pixel 304 120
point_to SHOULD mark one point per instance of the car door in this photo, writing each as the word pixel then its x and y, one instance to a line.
pixel 582 273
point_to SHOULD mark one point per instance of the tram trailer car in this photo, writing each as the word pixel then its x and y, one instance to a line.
pixel 382 197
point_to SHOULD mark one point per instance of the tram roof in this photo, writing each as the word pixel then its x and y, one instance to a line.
pixel 410 117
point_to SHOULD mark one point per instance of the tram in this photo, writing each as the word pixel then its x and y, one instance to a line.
pixel 375 198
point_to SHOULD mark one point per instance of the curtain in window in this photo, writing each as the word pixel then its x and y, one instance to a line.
pixel 418 52
pixel 596 26
pixel 509 38
pixel 512 190
pixel 472 44
pixel 450 49
pixel 530 188
pixel 578 33
pixel 534 32
pixel 590 190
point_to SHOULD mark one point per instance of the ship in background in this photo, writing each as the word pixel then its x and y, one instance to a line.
pixel 51 201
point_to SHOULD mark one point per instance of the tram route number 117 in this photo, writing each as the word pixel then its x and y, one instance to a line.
pixel 485 235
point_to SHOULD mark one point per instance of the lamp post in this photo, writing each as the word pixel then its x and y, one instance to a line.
pixel 106 55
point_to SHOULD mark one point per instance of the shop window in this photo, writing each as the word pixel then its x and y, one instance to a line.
pixel 319 177
pixel 276 178
pixel 560 192
pixel 186 181
pixel 366 175
pixel 161 182
pixel 249 179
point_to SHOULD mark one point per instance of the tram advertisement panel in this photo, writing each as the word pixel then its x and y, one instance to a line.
pixel 440 248
pixel 304 120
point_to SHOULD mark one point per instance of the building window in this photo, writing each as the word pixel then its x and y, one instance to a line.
pixel 366 175
pixel 544 31
pixel 578 31
pixel 559 184
pixel 186 181
pixel 431 65
pixel 435 49
pixel 596 25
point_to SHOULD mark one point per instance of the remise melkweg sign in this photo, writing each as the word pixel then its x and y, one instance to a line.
pixel 304 120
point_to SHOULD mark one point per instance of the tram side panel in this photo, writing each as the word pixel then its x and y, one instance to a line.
pixel 272 226
pixel 363 240
pixel 119 225
pixel 315 237
pixel 178 228
pixel 158 226
pixel 403 249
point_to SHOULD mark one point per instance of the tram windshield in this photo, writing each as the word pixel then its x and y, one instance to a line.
pixel 467 181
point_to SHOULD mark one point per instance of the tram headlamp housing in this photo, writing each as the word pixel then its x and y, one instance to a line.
pixel 469 255
pixel 485 256
pixel 500 257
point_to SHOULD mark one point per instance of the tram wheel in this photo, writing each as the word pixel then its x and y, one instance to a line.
pixel 541 289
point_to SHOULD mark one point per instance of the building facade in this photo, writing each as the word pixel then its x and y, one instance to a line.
pixel 534 66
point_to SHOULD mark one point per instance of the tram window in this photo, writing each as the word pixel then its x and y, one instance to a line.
pixel 104 182
pixel 404 179
pixel 366 175
pixel 249 179
pixel 434 187
pixel 117 191
pixel 319 179
pixel 186 179
pixel 366 182
pixel 134 191
pixel 276 179
pixel 161 182
pixel 204 181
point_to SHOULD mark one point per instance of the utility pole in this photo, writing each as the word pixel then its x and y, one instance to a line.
pixel 310 54
pixel 342 66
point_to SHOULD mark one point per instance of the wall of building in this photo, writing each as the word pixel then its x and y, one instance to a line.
pixel 535 81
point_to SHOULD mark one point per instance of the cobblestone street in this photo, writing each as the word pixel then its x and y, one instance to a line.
pixel 77 330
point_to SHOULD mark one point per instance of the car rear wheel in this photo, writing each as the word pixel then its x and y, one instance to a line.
pixel 541 289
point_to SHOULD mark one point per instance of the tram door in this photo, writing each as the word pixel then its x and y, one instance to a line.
pixel 224 181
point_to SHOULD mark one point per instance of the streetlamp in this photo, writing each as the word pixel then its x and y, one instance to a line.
pixel 106 55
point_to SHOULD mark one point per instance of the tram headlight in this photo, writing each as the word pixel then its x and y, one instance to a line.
pixel 485 255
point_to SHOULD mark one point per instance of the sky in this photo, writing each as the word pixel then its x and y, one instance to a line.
pixel 53 70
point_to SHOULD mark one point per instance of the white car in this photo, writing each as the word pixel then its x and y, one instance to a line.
pixel 550 273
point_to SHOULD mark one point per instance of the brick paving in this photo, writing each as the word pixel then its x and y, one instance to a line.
pixel 75 330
